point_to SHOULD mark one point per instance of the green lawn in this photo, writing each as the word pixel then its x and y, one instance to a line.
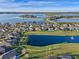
pixel 54 50
pixel 57 33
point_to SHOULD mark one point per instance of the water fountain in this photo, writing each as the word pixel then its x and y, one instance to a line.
pixel 72 37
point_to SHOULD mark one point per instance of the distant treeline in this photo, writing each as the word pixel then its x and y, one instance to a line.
pixel 69 17
pixel 39 12
pixel 28 16
pixel 59 17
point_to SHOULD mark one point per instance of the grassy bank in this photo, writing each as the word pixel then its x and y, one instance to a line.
pixel 53 50
pixel 57 33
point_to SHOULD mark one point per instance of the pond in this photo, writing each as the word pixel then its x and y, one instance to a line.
pixel 43 40
pixel 68 20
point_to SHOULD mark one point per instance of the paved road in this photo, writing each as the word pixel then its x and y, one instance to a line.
pixel 8 55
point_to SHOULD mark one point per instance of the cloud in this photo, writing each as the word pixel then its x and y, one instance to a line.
pixel 56 9
pixel 36 4
pixel 4 1
pixel 41 5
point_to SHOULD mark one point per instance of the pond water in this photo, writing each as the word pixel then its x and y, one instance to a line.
pixel 14 18
pixel 43 40
pixel 67 20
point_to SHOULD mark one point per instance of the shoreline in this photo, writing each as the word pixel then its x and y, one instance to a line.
pixel 55 33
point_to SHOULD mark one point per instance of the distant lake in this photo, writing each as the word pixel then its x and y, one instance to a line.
pixel 69 14
pixel 67 20
pixel 14 18
pixel 43 40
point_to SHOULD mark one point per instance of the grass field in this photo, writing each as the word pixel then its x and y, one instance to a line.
pixel 57 33
pixel 51 50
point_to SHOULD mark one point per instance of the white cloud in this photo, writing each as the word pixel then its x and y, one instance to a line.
pixel 10 5
pixel 38 3
pixel 27 4
pixel 57 9
pixel 2 1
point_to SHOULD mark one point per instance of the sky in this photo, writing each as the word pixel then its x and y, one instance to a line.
pixel 39 5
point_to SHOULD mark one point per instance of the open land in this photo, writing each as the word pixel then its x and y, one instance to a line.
pixel 52 50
